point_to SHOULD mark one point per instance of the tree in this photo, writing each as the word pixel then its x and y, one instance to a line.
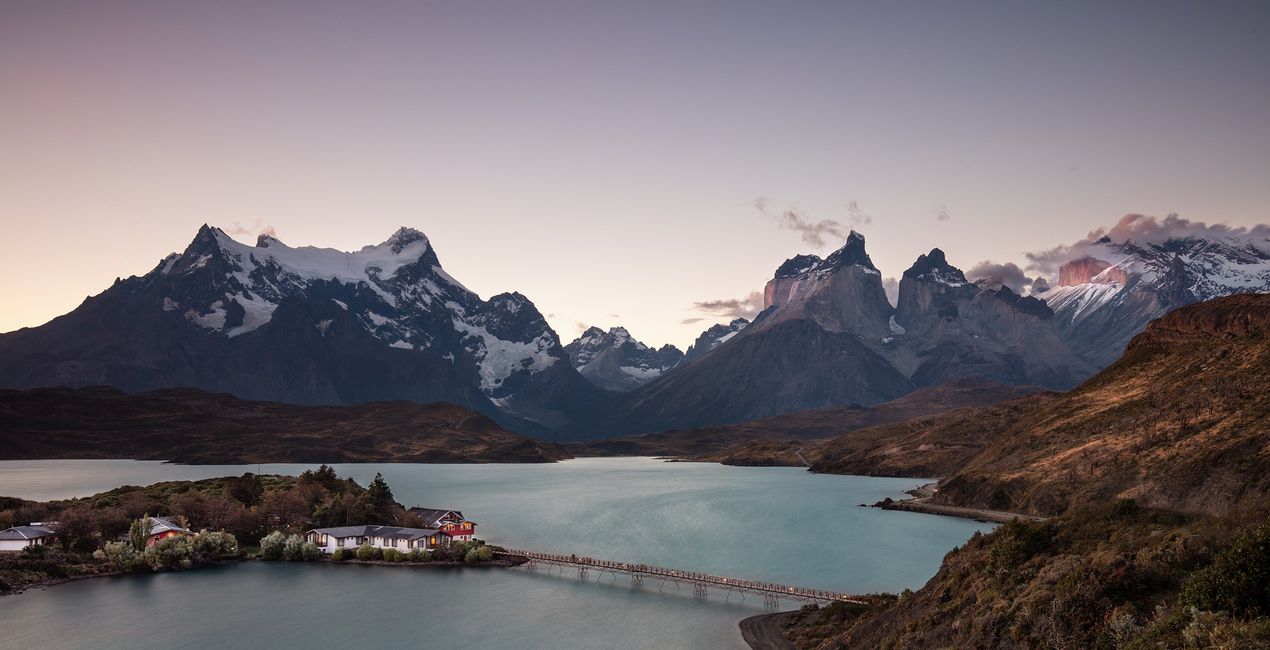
pixel 1238 580
pixel 248 489
pixel 139 532
pixel 78 526
pixel 381 500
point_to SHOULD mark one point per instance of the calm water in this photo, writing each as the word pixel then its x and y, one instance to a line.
pixel 776 524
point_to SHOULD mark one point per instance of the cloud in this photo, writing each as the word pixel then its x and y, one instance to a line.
pixel 1008 274
pixel 812 232
pixel 892 288
pixel 941 213
pixel 257 227
pixel 1145 229
pixel 689 321
pixel 856 216
pixel 747 307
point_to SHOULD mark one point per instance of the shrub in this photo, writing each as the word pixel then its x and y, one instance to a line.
pixel 1238 580
pixel 311 552
pixel 120 556
pixel 293 549
pixel 367 552
pixel 338 555
pixel 392 555
pixel 484 553
pixel 273 546
pixel 472 556
pixel 418 555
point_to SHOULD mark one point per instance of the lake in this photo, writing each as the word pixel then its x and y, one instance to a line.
pixel 773 524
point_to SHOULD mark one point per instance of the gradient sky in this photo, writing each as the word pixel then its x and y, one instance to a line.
pixel 604 159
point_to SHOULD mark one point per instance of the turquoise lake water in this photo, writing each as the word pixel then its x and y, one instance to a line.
pixel 773 524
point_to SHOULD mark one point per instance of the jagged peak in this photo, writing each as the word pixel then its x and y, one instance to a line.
pixel 852 253
pixel 934 266
pixel 797 265
pixel 266 239
pixel 404 237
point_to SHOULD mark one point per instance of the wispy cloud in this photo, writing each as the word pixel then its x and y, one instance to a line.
pixel 941 213
pixel 813 232
pixel 689 321
pixel 747 307
pixel 892 288
pixel 257 227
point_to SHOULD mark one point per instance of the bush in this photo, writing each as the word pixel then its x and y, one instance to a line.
pixel 472 556
pixel 120 556
pixel 418 555
pixel 273 546
pixel 293 549
pixel 311 552
pixel 367 552
pixel 1238 580
pixel 338 555
pixel 484 553
pixel 392 555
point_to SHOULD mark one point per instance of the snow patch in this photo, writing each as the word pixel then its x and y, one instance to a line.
pixel 498 359
pixel 256 312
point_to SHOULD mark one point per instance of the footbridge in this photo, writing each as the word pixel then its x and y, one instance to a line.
pixel 701 582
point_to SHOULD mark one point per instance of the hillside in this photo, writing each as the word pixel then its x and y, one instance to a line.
pixel 772 440
pixel 193 426
pixel 1156 472
pixel 1181 421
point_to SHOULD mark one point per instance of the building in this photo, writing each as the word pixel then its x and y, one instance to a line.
pixel 451 523
pixel 20 538
pixel 395 537
pixel 162 528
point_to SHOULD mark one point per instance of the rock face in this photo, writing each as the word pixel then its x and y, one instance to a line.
pixel 841 293
pixel 615 361
pixel 1097 315
pixel 949 329
pixel 712 338
pixel 309 326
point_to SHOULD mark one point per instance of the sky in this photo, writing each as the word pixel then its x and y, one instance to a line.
pixel 629 164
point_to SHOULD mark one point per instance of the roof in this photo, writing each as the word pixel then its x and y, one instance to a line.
pixel 433 516
pixel 26 532
pixel 387 532
pixel 459 531
pixel 160 525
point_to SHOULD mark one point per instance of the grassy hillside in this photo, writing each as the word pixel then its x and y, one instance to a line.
pixel 193 426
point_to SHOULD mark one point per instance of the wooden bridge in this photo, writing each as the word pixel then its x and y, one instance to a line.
pixel 701 582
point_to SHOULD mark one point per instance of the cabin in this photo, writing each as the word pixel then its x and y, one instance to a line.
pixel 395 537
pixel 451 523
pixel 162 528
pixel 20 538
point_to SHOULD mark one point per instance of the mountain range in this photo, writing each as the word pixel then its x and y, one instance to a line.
pixel 309 325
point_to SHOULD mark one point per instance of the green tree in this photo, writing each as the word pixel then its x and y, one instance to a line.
pixel 381 500
pixel 248 489
pixel 139 532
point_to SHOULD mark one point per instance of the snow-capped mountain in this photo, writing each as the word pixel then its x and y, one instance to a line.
pixel 827 336
pixel 1105 298
pixel 281 310
pixel 614 360
pixel 710 339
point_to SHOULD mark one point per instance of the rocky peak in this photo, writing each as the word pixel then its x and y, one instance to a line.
pixel 1039 285
pixel 934 266
pixel 265 239
pixel 1081 271
pixel 404 237
pixel 852 253
pixel 797 265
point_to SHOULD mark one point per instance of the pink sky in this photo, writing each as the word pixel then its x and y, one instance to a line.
pixel 605 161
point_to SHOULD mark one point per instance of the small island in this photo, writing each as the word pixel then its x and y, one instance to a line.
pixel 180 525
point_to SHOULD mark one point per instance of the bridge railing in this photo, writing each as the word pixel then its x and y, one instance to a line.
pixel 689 576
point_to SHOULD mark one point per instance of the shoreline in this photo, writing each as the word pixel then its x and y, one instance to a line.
pixel 919 502
pixel 765 631
pixel 44 584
